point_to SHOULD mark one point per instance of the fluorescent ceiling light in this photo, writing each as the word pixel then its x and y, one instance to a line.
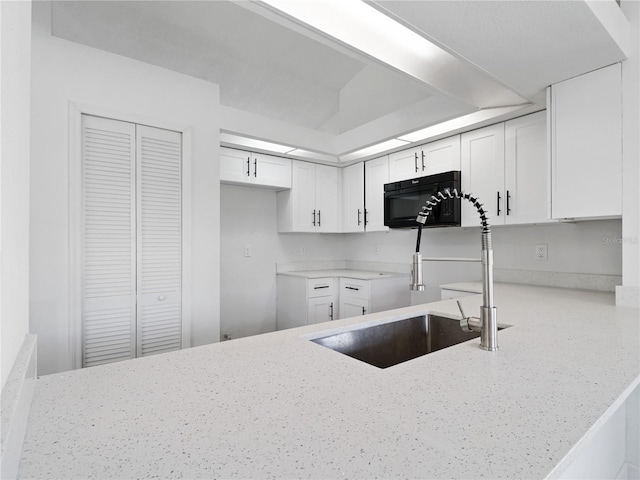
pixel 373 149
pixel 459 122
pixel 253 143
pixel 312 155
pixel 360 26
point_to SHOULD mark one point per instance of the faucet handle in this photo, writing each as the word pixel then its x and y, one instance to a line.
pixel 468 324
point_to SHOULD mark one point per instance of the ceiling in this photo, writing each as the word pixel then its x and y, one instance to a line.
pixel 279 69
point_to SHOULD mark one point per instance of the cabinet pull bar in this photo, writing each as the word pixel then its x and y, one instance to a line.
pixel 352 288
pixel 423 167
pixel 331 311
pixel 498 202
pixel 366 220
pixel 415 156
pixel 508 202
pixel 319 219
pixel 363 311
pixel 321 286
pixel 248 160
pixel 255 167
pixel 359 222
pixel 314 218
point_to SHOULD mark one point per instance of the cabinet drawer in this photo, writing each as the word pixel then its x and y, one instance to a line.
pixel 351 287
pixel 321 287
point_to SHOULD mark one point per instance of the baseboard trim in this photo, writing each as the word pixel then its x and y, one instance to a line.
pixel 17 395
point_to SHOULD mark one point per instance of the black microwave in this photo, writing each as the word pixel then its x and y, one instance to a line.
pixel 404 200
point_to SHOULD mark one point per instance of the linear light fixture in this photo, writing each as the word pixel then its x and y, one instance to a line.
pixel 253 143
pixel 373 149
pixel 458 122
pixel 367 29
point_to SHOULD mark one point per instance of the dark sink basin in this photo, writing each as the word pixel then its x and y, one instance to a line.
pixel 395 342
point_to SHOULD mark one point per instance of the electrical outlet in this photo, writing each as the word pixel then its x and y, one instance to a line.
pixel 376 249
pixel 303 250
pixel 541 252
pixel 247 250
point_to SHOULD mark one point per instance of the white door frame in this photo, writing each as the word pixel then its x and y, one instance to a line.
pixel 76 111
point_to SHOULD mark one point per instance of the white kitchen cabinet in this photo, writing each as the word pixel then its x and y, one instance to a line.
pixel 586 145
pixel 360 297
pixel 363 195
pixel 482 165
pixel 353 198
pixel 312 204
pixel 376 174
pixel 305 301
pixel 505 166
pixel 441 156
pixel 238 167
pixel 526 173
pixel 434 157
pixel 405 164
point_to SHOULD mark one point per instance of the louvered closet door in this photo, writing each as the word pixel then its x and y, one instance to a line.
pixel 159 183
pixel 108 241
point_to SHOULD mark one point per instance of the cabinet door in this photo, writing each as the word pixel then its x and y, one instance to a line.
pixel 405 165
pixel 271 171
pixel 441 156
pixel 353 214
pixel 303 197
pixel 526 171
pixel 376 175
pixel 482 162
pixel 328 194
pixel 586 145
pixel 234 166
pixel 320 309
pixel 353 307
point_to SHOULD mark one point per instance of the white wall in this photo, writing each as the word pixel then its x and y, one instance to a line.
pixel 15 39
pixel 66 73
pixel 248 284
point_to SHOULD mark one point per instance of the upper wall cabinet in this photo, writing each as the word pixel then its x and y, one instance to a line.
pixel 363 195
pixel 255 169
pixel 435 157
pixel 313 203
pixel 376 174
pixel 353 209
pixel 586 145
pixel 506 167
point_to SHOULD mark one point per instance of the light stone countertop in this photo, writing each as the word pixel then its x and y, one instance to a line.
pixel 279 406
pixel 345 273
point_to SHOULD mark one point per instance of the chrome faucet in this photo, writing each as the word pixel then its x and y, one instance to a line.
pixel 487 324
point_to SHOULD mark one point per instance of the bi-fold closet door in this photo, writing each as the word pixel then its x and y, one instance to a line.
pixel 131 240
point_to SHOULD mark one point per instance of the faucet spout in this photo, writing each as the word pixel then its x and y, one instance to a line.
pixel 488 324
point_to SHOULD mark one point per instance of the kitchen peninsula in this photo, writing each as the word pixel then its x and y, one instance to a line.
pixel 280 406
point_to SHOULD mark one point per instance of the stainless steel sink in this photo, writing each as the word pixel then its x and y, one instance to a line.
pixel 395 342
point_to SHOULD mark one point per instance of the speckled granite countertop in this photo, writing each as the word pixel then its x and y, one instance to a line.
pixel 280 406
pixel 346 273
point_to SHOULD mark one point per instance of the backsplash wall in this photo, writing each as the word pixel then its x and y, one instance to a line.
pixel 248 284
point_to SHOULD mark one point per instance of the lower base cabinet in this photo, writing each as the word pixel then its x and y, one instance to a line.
pixel 305 301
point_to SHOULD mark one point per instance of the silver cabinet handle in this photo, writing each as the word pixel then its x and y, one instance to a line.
pixel 314 218
pixel 359 222
pixel 321 286
pixel 255 167
pixel 161 297
pixel 363 311
pixel 319 219
pixel 331 311
pixel 352 288
pixel 415 160
pixel 423 167
pixel 248 160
